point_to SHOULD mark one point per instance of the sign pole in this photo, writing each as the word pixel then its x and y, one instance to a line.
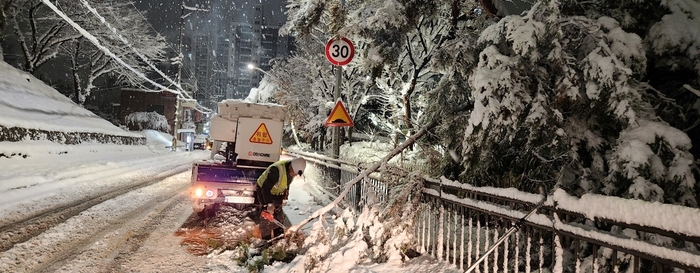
pixel 339 51
pixel 336 130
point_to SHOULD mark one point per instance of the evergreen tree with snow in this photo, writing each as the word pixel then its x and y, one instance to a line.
pixel 558 98
pixel 558 95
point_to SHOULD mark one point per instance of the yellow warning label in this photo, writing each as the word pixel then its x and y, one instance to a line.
pixel 339 116
pixel 261 135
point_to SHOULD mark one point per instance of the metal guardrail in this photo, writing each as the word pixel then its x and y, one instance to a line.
pixel 457 225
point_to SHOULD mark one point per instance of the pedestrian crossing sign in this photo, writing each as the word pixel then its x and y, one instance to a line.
pixel 261 135
pixel 339 116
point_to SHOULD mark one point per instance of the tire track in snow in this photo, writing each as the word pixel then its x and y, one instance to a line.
pixel 26 229
pixel 28 203
pixel 107 250
pixel 59 245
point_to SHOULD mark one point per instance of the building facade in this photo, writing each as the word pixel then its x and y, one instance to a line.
pixel 224 40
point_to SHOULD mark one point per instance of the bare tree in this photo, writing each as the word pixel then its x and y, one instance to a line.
pixel 5 6
pixel 89 64
pixel 40 33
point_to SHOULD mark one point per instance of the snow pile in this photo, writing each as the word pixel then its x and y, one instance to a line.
pixel 29 103
pixel 157 139
pixel 148 120
pixel 361 243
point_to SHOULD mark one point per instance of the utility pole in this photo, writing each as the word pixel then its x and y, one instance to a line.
pixel 178 107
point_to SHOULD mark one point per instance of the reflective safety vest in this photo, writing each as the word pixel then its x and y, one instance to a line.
pixel 281 185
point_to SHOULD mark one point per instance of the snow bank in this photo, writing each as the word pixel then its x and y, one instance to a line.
pixel 29 103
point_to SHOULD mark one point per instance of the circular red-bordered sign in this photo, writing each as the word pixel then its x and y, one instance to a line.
pixel 339 51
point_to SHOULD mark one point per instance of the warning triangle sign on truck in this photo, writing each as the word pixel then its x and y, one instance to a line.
pixel 339 116
pixel 261 135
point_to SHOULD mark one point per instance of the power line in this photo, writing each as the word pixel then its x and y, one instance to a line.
pixel 149 24
pixel 126 42
pixel 185 68
pixel 96 42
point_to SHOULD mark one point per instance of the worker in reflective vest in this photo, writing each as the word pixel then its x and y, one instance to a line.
pixel 273 190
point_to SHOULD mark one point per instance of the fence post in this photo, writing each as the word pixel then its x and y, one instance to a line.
pixel 441 231
pixel 359 186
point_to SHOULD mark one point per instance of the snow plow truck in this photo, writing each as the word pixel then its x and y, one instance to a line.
pixel 247 138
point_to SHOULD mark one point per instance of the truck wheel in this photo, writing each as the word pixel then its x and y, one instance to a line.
pixel 203 213
pixel 209 211
pixel 214 208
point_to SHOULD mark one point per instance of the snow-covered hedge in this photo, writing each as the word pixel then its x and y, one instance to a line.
pixel 147 120
pixel 14 134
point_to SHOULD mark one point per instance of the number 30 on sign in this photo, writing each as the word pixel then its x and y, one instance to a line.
pixel 339 51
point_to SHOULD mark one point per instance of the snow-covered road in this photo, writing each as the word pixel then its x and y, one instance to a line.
pixel 109 208
pixel 90 208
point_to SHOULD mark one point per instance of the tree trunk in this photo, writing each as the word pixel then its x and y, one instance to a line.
pixel 294 134
pixel 76 76
pixel 4 9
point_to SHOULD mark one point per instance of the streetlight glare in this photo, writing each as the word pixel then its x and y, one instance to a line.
pixel 251 66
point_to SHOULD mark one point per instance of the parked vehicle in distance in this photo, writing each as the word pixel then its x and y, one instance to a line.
pixel 200 142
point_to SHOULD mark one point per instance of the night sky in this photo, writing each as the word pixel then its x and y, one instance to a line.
pixel 164 14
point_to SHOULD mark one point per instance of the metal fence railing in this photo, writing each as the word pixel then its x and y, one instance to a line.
pixel 457 223
pixel 339 173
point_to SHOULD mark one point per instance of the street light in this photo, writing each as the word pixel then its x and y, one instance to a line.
pixel 251 66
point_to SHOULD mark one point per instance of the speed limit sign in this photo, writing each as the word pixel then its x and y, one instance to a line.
pixel 339 51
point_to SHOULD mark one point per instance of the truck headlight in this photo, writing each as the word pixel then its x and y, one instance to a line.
pixel 198 192
pixel 210 193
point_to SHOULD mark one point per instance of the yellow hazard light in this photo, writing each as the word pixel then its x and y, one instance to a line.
pixel 198 192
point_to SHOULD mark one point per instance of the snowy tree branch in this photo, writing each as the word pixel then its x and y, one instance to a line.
pixel 365 174
pixel 4 10
pixel 692 90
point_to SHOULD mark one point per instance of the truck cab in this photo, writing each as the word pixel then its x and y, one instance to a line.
pixel 247 138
